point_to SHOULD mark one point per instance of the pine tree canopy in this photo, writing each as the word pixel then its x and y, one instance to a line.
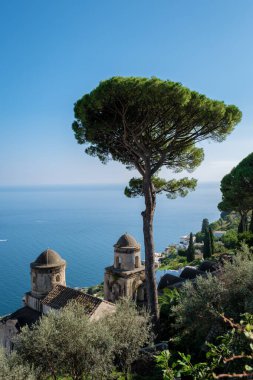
pixel 133 119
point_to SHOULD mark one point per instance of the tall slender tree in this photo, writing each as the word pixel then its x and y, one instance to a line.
pixel 205 225
pixel 190 253
pixel 148 124
pixel 207 252
pixel 211 239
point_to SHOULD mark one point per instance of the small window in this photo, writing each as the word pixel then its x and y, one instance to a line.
pixel 137 262
pixel 57 278
pixel 118 262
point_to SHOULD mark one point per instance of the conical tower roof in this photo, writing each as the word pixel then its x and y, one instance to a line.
pixel 48 259
pixel 127 241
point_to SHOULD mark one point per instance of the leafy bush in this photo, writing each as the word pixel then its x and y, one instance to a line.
pixel 246 237
pixel 230 239
pixel 219 248
pixel 199 237
pixel 12 368
pixel 182 252
pixel 97 290
pixel 173 262
pixel 197 310
pixel 130 331
pixel 230 357
pixel 68 343
pixel 167 300
pixel 197 313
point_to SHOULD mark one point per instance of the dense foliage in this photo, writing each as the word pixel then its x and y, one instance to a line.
pixel 230 239
pixel 13 368
pixel 197 313
pixel 231 356
pixel 67 343
pixel 237 192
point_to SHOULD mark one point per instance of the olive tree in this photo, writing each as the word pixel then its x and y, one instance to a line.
pixel 130 330
pixel 68 343
pixel 12 367
pixel 148 124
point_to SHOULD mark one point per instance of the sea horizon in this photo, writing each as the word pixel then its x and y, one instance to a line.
pixel 59 186
pixel 82 223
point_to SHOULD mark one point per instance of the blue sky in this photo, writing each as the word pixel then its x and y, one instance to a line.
pixel 52 52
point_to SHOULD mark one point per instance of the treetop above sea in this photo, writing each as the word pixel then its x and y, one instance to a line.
pixel 147 124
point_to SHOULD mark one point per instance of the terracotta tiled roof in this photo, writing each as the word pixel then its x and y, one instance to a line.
pixel 23 316
pixel 61 295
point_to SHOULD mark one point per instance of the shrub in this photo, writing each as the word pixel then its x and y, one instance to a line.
pixel 199 237
pixel 230 357
pixel 219 248
pixel 197 311
pixel 182 252
pixel 238 284
pixel 197 314
pixel 12 368
pixel 167 300
pixel 67 343
pixel 174 262
pixel 230 239
pixel 130 331
pixel 247 237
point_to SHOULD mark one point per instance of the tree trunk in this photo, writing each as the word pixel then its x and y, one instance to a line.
pixel 148 217
pixel 251 223
pixel 243 225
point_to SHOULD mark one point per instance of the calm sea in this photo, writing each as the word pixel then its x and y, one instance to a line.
pixel 82 224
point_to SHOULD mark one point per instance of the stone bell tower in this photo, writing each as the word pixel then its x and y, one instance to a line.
pixel 47 271
pixel 126 277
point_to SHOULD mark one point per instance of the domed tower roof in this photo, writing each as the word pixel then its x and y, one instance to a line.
pixel 127 241
pixel 48 259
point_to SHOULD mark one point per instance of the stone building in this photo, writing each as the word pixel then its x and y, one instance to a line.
pixel 47 271
pixel 126 277
pixel 48 291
